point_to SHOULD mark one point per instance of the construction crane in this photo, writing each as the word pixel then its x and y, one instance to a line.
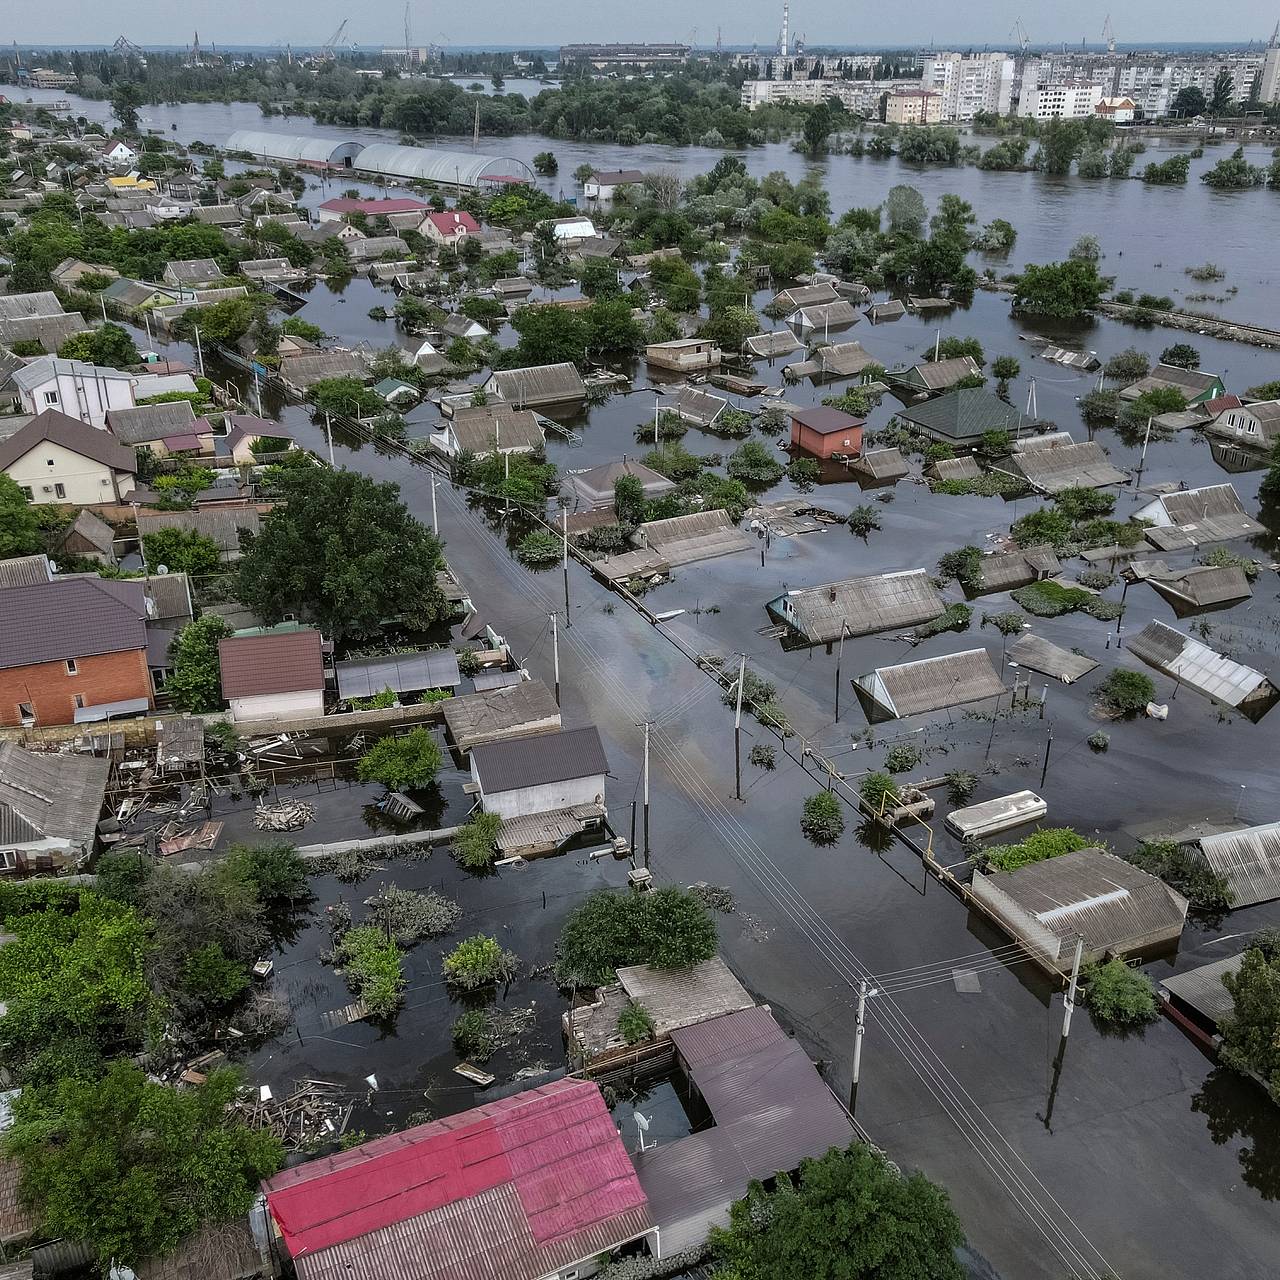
pixel 1019 33
pixel 125 46
pixel 330 45
pixel 1109 35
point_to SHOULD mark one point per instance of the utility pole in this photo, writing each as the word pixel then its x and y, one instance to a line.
pixel 435 514
pixel 737 728
pixel 199 352
pixel 844 626
pixel 1048 744
pixel 1069 1003
pixel 328 435
pixel 564 534
pixel 646 793
pixel 860 1029
pixel 555 651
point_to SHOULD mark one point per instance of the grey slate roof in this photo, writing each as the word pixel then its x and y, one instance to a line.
pixel 938 375
pixel 826 315
pixel 70 433
pixel 66 618
pixel 805 295
pixel 486 428
pixel 222 524
pixel 699 536
pixel 863 606
pixel 1038 654
pixel 962 415
pixel 883 464
pixel 308 368
pixel 1203 585
pixel 965 468
pixel 1065 466
pixel 698 406
pixel 594 487
pixel 150 422
pixel 1248 860
pixel 194 270
pixel 931 684
pixel 1190 381
pixel 15 305
pixel 771 343
pixel 510 711
pixel 539 760
pixel 50 331
pixel 1202 989
pixel 39 371
pixel 538 384
pixel 58 796
pixel 1008 569
pixel 399 672
pixel 134 293
pixel 91 529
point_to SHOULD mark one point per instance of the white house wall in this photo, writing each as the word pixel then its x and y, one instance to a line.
pixel 278 706
pixel 84 481
pixel 556 795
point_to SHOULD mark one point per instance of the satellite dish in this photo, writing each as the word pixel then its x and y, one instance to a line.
pixel 53 566
pixel 162 569
pixel 642 1122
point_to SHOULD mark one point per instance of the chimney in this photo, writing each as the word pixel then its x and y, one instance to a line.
pixel 831 594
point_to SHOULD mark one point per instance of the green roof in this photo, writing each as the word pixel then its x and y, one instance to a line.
pixel 390 387
pixel 963 415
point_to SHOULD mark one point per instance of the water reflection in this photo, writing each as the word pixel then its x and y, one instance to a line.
pixel 1230 1105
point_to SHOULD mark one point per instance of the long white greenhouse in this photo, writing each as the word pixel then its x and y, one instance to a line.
pixel 295 148
pixel 455 168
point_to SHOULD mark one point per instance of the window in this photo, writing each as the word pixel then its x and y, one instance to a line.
pixel 8 860
pixel 26 713
pixel 26 491
pixel 51 397
pixel 50 462
pixel 72 669
pixel 79 701
pixel 59 490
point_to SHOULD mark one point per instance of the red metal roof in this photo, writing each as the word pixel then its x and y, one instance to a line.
pixel 452 221
pixel 1220 404
pixel 277 662
pixel 397 204
pixel 511 1190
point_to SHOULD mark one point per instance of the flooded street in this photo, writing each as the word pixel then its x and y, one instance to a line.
pixel 1138 1157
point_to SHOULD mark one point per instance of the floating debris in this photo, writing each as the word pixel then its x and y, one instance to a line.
pixel 316 1111
pixel 288 815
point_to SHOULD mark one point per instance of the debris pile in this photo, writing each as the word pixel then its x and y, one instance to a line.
pixel 317 1111
pixel 288 815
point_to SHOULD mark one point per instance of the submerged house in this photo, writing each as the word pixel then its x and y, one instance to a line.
pixel 1248 860
pixel 1007 570
pixel 1117 908
pixel 537 385
pixel 1192 663
pixel 1196 385
pixel 1189 518
pixel 684 355
pixel 961 418
pixel 933 376
pixel 538 774
pixel 1050 466
pixel 825 431
pixel 859 606
pixel 50 803
pixel 594 487
pixel 494 715
pixel 701 535
pixel 931 684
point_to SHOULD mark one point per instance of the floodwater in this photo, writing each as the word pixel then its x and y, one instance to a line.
pixel 1136 1156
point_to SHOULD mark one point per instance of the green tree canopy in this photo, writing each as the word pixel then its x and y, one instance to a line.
pixel 19 526
pixel 412 760
pixel 108 345
pixel 850 1215
pixel 196 682
pixel 182 551
pixel 344 551
pixel 1062 289
pixel 1251 1033
pixel 132 1167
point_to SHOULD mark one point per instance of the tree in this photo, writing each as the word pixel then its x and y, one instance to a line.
pixel 754 463
pixel 400 763
pixel 1062 289
pixel 822 819
pixel 1119 996
pixel 126 98
pixel 223 322
pixel 545 163
pixel 196 682
pixel 1006 368
pixel 954 347
pixel 849 1214
pixel 479 962
pixel 344 551
pixel 628 500
pixel 132 1167
pixel 108 345
pixel 372 966
pixel 1182 355
pixel 550 335
pixel 816 130
pixel 182 551
pixel 1188 102
pixel 476 844
pixel 731 327
pixel 1126 692
pixel 612 328
pixel 1222 94
pixel 19 525
pixel 1086 249
pixel 905 210
pixel 1171 172
pixel 1127 366
pixel 1251 1032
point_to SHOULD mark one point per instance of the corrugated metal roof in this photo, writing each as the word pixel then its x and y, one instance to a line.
pixel 1065 466
pixel 862 606
pixel 698 536
pixel 1038 654
pixel 805 295
pixel 537 384
pixel 14 306
pixel 1008 569
pixel 776 342
pixel 277 662
pixel 1248 860
pixel 298 148
pixel 1195 664
pixel 487 428
pixel 25 571
pixel 539 760
pixel 700 407
pixel 222 524
pixel 965 468
pixel 150 422
pixel 50 331
pixel 883 464
pixel 931 684
pixel 58 795
pixel 826 315
pixel 464 168
pixel 400 672
pixel 1204 585
pixel 513 1190
pixel 1202 988
pixel 734 1036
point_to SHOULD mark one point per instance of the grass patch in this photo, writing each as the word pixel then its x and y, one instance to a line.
pixel 955 617
pixel 1051 842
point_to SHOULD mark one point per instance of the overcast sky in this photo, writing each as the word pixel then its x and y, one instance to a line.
pixel 551 22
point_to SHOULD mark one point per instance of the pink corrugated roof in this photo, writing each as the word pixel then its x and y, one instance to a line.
pixel 524 1184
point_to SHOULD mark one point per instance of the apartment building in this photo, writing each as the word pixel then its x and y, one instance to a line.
pixel 1060 101
pixel 861 97
pixel 913 106
pixel 970 83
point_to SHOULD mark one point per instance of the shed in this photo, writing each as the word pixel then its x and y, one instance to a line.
pixel 1005 570
pixel 883 464
pixel 1064 466
pixel 684 355
pixel 1117 908
pixel 50 804
pixel 399 672
pixel 1200 992
pixel 930 684
pixel 1201 587
pixel 772 343
pixel 537 385
pixel 1193 663
pixel 965 468
pixel 963 417
pixel 593 488
pixel 520 776
pixel 493 715
pixel 89 535
pixel 859 606
pixel 276 674
pixel 826 431
pixel 701 535
pixel 991 817
pixel 825 316
pixel 520 1188
pixel 1248 860
pixel 1038 654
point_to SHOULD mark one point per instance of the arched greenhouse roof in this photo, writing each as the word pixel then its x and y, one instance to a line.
pixel 294 148
pixel 423 164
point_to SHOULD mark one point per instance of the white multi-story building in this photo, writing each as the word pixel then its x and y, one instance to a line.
pixel 859 96
pixel 970 83
pixel 1269 78
pixel 1060 101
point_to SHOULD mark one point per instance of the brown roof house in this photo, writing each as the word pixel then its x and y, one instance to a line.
pixel 72 650
pixel 56 458
pixel 273 674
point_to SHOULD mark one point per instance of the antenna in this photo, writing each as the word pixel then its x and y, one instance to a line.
pixel 408 55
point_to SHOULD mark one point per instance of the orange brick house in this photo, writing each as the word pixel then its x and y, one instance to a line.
pixel 825 431
pixel 72 650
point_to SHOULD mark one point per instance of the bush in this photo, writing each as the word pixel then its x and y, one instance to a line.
pixel 634 1023
pixel 960 785
pixel 964 565
pixel 1251 1032
pixel 1119 996
pixel 1126 692
pixel 955 617
pixel 372 967
pixel 667 927
pixel 479 962
pixel 539 550
pixel 1207 891
pixel 863 519
pixel 804 473
pixel 754 463
pixel 823 818
pixel 413 917
pixel 1099 741
pixel 1050 599
pixel 473 1036
pixel 763 756
pixel 1007 624
pixel 903 757
pixel 1051 842
pixel 878 790
pixel 476 844
pixel 1127 366
pixel 412 760
pixel 1223 558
